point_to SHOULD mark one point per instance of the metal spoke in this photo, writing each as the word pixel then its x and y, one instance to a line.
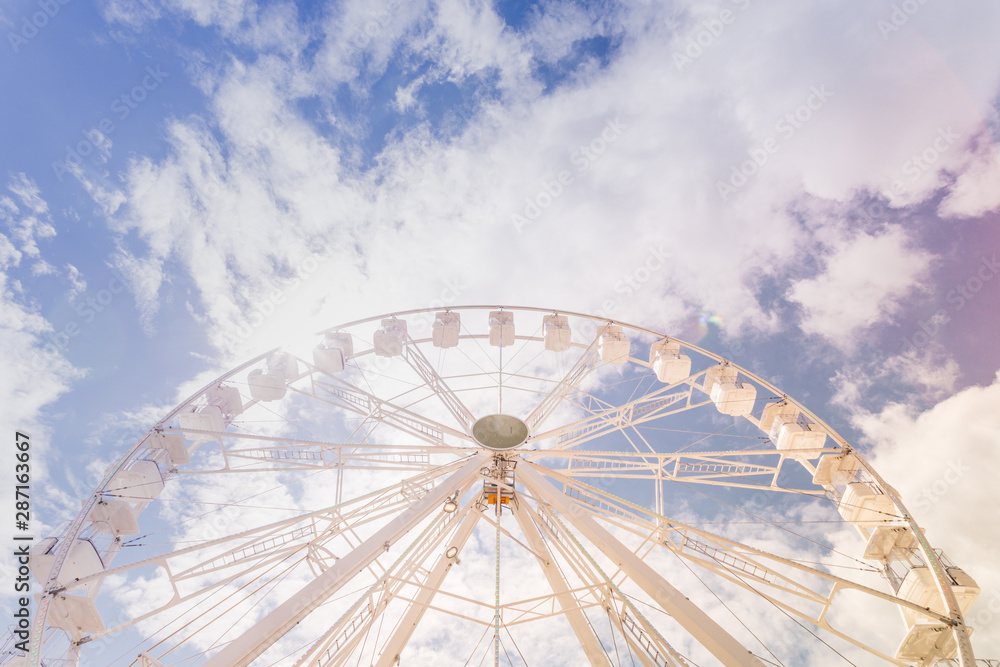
pixel 606 457
pixel 666 401
pixel 348 396
pixel 584 365
pixel 273 626
pixel 584 633
pixel 709 633
pixel 739 563
pixel 413 356
pixel 391 651
pixel 334 646
pixel 713 468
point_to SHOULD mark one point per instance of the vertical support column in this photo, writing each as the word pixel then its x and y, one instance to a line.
pixel 496 606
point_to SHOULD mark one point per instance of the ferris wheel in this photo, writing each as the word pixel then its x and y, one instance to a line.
pixel 494 485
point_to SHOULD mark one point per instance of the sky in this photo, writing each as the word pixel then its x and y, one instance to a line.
pixel 809 189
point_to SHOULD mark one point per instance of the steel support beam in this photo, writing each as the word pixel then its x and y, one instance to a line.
pixel 584 633
pixel 571 381
pixel 415 612
pixel 414 356
pixel 252 643
pixel 699 624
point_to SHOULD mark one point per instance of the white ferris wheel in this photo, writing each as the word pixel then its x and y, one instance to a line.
pixel 494 486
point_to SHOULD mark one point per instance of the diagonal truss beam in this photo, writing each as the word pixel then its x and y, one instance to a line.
pixel 407 625
pixel 719 468
pixel 652 648
pixel 338 643
pixel 295 454
pixel 262 542
pixel 738 562
pixel 666 401
pixel 338 391
pixel 584 365
pixel 699 624
pixel 251 644
pixel 414 356
pixel 581 628
pixel 618 619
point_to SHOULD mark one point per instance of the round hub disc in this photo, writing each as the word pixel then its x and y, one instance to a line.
pixel 500 432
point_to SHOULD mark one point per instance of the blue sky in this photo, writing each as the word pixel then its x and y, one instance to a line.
pixel 818 184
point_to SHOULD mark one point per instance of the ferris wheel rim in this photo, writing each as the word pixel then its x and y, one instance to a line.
pixel 159 426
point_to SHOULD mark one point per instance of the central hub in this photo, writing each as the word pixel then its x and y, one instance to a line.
pixel 500 432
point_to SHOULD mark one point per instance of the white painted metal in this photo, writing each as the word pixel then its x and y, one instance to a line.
pixel 390 339
pixel 584 633
pixel 416 359
pixel 273 626
pixel 584 365
pixel 638 632
pixel 407 625
pixel 421 443
pixel 613 345
pixel 702 627
pixel 341 640
pixel 331 355
pixel 344 394
pixel 557 333
pixel 447 327
pixel 501 328
pixel 667 361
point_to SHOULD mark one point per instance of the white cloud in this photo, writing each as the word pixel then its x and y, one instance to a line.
pixel 926 375
pixel 36 371
pixel 862 283
pixel 136 14
pixel 78 285
pixel 97 185
pixel 39 371
pixel 436 206
pixel 977 190
pixel 253 189
pixel 30 222
pixel 406 96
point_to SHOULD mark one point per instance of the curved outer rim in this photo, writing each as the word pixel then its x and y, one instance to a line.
pixel 52 587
